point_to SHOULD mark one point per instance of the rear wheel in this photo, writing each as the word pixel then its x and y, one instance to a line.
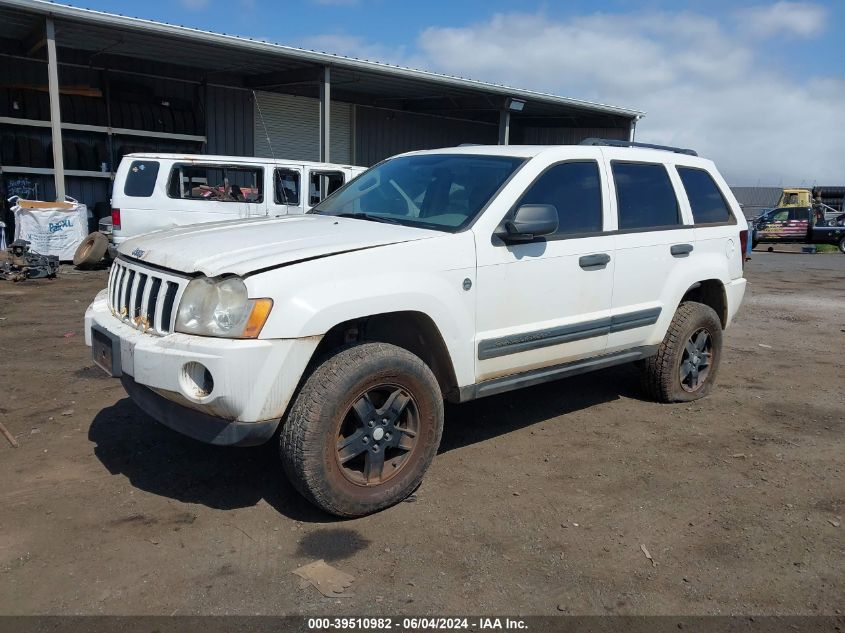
pixel 686 363
pixel 363 429
pixel 842 245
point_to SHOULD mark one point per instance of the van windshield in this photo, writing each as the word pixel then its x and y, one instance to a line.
pixel 438 191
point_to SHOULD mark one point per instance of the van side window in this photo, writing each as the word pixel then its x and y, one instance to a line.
pixel 574 189
pixel 323 184
pixel 705 198
pixel 287 187
pixel 141 179
pixel 645 196
pixel 220 183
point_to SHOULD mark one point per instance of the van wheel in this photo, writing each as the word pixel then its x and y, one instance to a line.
pixel 91 250
pixel 685 366
pixel 363 429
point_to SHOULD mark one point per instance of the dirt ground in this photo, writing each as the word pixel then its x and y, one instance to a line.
pixel 539 501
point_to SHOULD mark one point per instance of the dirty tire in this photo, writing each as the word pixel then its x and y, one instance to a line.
pixel 842 246
pixel 661 377
pixel 91 250
pixel 312 435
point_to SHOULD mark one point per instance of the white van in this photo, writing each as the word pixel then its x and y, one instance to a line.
pixel 155 191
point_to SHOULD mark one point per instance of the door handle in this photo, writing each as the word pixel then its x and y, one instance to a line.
pixel 594 262
pixel 680 250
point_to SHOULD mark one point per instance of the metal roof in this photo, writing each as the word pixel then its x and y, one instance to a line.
pixel 231 160
pixel 110 33
pixel 758 197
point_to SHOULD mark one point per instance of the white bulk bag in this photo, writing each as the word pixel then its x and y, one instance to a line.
pixel 52 228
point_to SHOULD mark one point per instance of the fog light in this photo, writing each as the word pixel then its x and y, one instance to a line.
pixel 196 380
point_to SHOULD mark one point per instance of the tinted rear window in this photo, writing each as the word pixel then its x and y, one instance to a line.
pixel 141 180
pixel 645 196
pixel 704 196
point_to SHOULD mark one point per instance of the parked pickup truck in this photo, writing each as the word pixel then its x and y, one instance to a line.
pixel 448 274
pixel 797 225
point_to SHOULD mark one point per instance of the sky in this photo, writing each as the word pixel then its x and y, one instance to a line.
pixel 759 87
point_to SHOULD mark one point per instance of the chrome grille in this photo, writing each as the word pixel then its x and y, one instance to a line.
pixel 144 298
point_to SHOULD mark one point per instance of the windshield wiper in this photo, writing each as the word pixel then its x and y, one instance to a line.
pixel 368 216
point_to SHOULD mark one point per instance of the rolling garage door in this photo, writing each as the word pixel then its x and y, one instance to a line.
pixel 293 125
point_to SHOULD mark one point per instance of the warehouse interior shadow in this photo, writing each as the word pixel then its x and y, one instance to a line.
pixel 161 461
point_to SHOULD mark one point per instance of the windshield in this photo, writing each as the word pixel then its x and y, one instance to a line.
pixel 435 191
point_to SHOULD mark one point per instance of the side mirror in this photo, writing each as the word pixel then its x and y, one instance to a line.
pixel 530 221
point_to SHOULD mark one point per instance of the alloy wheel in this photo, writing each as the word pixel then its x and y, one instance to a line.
pixel 377 435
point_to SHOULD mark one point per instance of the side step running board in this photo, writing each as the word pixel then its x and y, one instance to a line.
pixel 556 372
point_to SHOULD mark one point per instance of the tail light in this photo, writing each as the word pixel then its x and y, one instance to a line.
pixel 743 244
pixel 115 219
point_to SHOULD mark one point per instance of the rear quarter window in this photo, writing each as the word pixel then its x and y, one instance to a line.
pixel 141 179
pixel 705 198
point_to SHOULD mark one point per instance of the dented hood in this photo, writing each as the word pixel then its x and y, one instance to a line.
pixel 242 247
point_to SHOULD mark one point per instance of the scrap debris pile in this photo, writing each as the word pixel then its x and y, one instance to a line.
pixel 18 263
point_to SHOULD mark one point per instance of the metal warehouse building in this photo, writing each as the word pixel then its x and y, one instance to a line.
pixel 80 88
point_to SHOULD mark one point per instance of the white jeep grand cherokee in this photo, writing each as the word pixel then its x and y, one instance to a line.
pixel 456 273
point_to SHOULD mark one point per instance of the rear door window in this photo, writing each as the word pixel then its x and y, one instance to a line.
pixel 645 196
pixel 141 179
pixel 217 183
pixel 287 187
pixel 706 200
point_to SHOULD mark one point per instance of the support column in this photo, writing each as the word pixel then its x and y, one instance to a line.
pixel 55 113
pixel 325 113
pixel 504 126
pixel 633 128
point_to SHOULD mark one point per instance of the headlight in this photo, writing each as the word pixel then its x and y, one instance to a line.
pixel 221 308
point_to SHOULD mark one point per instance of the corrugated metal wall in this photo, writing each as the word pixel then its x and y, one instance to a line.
pixel 382 133
pixel 568 135
pixel 229 122
pixel 293 125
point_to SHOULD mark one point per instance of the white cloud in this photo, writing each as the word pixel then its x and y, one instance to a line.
pixel 701 83
pixel 801 19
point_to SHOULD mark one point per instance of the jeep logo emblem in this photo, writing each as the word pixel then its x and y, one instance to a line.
pixel 138 253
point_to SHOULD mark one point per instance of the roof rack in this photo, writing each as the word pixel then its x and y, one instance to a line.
pixel 617 143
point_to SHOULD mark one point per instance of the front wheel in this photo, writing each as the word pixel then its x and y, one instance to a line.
pixel 685 366
pixel 363 429
pixel 842 245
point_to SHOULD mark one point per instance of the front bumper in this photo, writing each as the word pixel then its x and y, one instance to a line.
pixel 253 380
